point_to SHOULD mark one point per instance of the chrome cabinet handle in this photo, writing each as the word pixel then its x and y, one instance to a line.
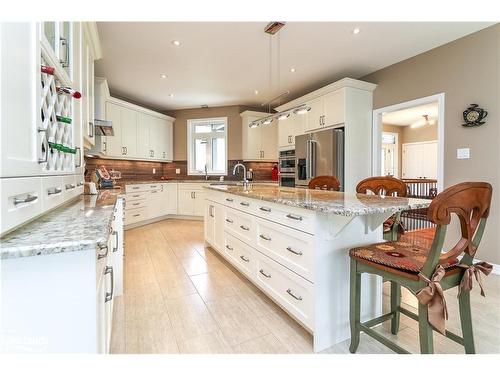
pixel 154 191
pixel 55 191
pixel 46 146
pixel 194 194
pixel 136 195
pixel 289 291
pixel 211 210
pixel 153 153
pixel 135 204
pixel 109 295
pixel 115 233
pixel 65 62
pixel 126 150
pixel 264 237
pixel 294 217
pixel 136 215
pixel 244 227
pixel 229 221
pixel 70 186
pixel 229 200
pixel 261 271
pixel 164 156
pixel 229 248
pixel 265 209
pixel 293 251
pixel 244 259
pixel 246 204
pixel 79 158
pixel 136 187
pixel 29 198
pixel 91 130
pixel 101 247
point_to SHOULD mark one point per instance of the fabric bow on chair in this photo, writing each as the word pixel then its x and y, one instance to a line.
pixel 433 296
pixel 474 270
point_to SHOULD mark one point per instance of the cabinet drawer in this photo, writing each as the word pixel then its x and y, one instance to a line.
pixel 137 187
pixel 240 254
pixel 289 247
pixel 69 187
pixel 240 225
pixel 52 192
pixel 294 218
pixel 133 205
pixel 292 292
pixel 132 196
pixel 21 200
pixel 135 215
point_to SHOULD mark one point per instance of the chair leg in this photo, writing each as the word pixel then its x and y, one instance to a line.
pixel 466 322
pixel 425 331
pixel 354 306
pixel 395 304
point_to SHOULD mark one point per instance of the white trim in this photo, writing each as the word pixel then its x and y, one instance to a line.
pixel 90 28
pixel 189 137
pixel 253 114
pixel 345 82
pixel 396 152
pixel 377 132
pixel 138 108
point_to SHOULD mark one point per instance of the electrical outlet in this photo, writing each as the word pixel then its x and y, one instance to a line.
pixel 177 171
pixel 463 153
pixel 154 170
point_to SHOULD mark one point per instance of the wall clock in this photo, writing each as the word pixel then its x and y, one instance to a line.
pixel 474 115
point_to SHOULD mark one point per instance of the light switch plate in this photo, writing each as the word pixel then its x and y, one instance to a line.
pixel 463 153
pixel 154 170
pixel 177 171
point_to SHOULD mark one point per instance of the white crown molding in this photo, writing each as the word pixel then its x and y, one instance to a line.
pixel 138 108
pixel 345 82
pixel 254 114
pixel 90 29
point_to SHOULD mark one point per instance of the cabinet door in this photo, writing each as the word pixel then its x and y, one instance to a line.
pixel 251 140
pixel 185 202
pixel 128 124
pixel 209 221
pixel 299 126
pixel 285 130
pixel 314 116
pixel 113 144
pixel 269 142
pixel 219 227
pixel 169 141
pixel 101 316
pixel 170 191
pixel 199 202
pixel 334 108
pixel 143 136
pixel 156 138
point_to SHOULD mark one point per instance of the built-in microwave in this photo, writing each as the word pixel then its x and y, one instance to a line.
pixel 287 168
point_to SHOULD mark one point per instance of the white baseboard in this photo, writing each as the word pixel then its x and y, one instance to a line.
pixel 160 218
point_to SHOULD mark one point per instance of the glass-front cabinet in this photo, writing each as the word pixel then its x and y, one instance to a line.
pixel 58 37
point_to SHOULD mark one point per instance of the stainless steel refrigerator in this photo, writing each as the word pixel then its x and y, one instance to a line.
pixel 318 154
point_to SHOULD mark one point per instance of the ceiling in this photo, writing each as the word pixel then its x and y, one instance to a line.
pixel 409 116
pixel 223 63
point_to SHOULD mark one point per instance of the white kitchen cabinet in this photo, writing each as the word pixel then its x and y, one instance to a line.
pixel 88 89
pixel 144 136
pixel 128 125
pixel 290 128
pixel 162 200
pixel 259 143
pixel 327 110
pixel 112 146
pixel 191 199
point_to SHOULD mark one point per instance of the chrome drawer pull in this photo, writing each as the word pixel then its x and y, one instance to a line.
pixel 55 191
pixel 136 196
pixel 244 227
pixel 290 216
pixel 264 237
pixel 229 248
pixel 289 291
pixel 136 215
pixel 229 200
pixel 109 295
pixel 115 233
pixel 135 204
pixel 265 209
pixel 70 186
pixel 136 187
pixel 245 259
pixel 246 204
pixel 265 274
pixel 29 198
pixel 101 247
pixel 293 251
pixel 229 221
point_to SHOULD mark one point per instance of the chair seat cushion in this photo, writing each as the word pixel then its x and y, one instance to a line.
pixel 398 255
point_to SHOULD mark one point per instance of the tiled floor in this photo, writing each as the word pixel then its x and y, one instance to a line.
pixel 183 298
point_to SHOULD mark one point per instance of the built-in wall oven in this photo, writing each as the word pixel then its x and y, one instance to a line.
pixel 287 168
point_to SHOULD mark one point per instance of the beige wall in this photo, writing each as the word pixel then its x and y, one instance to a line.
pixel 467 71
pixel 233 131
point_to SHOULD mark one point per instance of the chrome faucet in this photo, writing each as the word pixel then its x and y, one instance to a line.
pixel 235 169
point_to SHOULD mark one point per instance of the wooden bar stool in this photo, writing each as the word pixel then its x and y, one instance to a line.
pixel 325 183
pixel 386 185
pixel 427 272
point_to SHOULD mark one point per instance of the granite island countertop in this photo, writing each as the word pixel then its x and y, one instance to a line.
pixel 75 226
pixel 330 202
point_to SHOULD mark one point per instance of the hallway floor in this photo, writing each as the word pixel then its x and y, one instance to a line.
pixel 181 297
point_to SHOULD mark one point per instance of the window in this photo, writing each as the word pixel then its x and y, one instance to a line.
pixel 207 146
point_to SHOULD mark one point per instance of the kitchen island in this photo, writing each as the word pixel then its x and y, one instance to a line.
pixel 293 244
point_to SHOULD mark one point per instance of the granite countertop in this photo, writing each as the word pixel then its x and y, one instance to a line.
pixel 76 226
pixel 330 202
pixel 137 182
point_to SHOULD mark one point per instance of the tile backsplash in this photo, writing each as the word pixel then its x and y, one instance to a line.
pixel 143 170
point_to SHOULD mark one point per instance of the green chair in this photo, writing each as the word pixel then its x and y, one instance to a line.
pixel 427 272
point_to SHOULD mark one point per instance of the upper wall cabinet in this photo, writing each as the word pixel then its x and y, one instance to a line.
pixel 289 128
pixel 260 143
pixel 139 133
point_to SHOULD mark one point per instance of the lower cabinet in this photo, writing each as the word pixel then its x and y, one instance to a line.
pixel 191 199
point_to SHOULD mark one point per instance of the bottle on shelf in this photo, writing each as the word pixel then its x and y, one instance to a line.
pixel 47 70
pixel 66 120
pixel 69 91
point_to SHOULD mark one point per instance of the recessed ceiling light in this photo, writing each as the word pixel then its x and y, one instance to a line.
pixel 356 30
pixel 176 43
pixel 256 92
pixel 292 70
pixel 163 75
pixel 171 95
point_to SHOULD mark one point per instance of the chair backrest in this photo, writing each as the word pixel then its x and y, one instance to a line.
pixel 385 185
pixel 470 201
pixel 325 183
